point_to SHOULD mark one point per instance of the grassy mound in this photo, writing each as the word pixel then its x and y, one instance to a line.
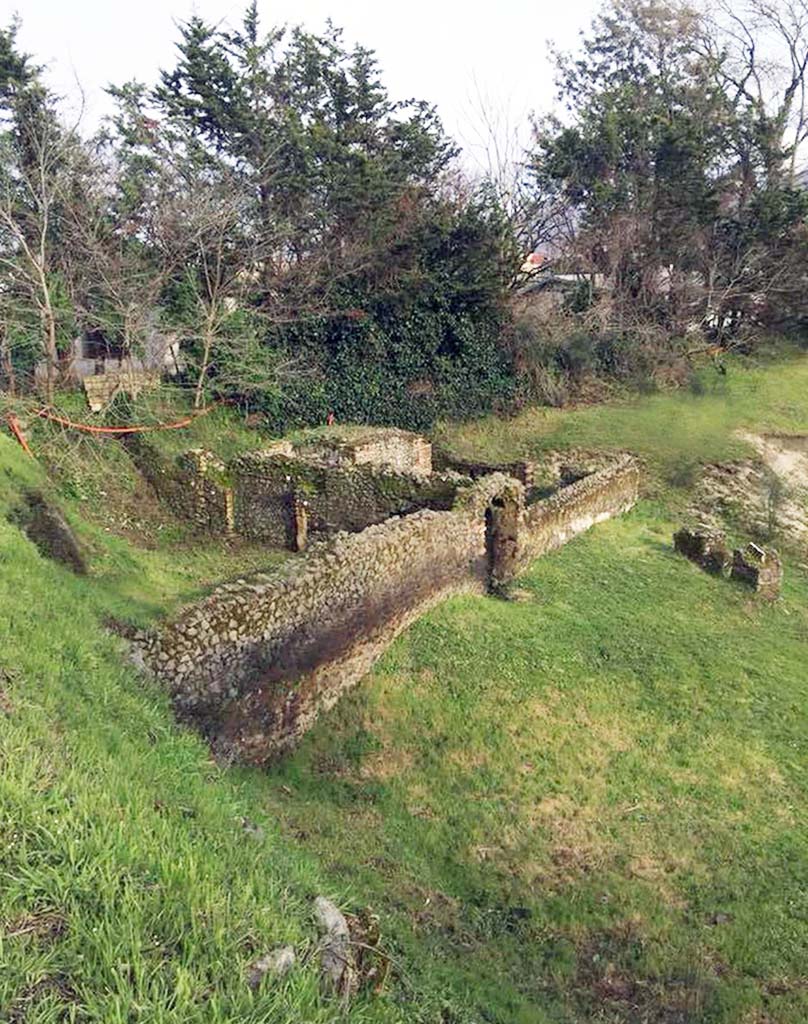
pixel 672 431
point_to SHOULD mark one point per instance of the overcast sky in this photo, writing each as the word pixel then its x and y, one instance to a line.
pixel 452 53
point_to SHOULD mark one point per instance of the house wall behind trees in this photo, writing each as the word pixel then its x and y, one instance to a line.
pixel 257 662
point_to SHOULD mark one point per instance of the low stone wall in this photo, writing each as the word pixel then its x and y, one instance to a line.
pixel 259 660
pixel 537 474
pixel 338 496
pixel 342 484
pixel 194 485
pixel 103 387
pixel 397 450
pixel 553 521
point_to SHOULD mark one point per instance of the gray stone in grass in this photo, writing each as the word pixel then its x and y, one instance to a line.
pixel 277 962
pixel 336 962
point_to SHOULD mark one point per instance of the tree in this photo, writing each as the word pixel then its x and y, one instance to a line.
pixel 270 205
pixel 758 50
pixel 673 166
pixel 38 157
pixel 330 161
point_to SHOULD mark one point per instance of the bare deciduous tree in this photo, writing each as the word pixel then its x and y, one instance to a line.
pixel 759 49
pixel 36 177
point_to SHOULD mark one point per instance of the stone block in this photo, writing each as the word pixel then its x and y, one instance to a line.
pixel 707 548
pixel 758 568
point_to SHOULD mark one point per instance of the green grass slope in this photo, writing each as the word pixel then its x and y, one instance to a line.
pixel 589 805
pixel 130 889
pixel 672 431
pixel 595 797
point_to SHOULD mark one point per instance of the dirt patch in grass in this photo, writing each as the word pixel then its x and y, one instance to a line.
pixel 432 910
pixel 138 515
pixel 420 801
pixel 383 765
pixel 607 978
pixel 6 705
pixel 55 990
pixel 46 926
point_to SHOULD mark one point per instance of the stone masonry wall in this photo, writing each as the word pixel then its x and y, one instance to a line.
pixel 346 482
pixel 195 485
pixel 553 521
pixel 399 450
pixel 256 662
pixel 338 496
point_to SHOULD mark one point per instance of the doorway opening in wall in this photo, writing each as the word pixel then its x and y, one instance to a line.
pixel 101 348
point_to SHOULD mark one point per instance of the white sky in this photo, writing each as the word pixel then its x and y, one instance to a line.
pixel 445 51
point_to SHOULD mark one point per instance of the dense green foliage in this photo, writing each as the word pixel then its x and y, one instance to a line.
pixel 676 167
pixel 270 206
pixel 431 348
pixel 389 306
pixel 316 249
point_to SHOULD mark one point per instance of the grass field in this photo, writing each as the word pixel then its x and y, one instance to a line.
pixel 588 805
pixel 594 799
pixel 672 431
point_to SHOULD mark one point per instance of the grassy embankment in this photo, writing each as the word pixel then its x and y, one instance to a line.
pixel 672 431
pixel 596 798
pixel 586 806
pixel 129 886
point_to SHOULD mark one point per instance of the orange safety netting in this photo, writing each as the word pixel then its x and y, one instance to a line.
pixel 90 428
pixel 16 430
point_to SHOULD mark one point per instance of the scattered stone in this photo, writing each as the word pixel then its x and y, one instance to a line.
pixel 277 963
pixel 758 568
pixel 720 917
pixel 336 961
pixel 47 528
pixel 252 829
pixel 706 547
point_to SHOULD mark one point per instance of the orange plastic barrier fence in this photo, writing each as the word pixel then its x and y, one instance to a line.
pixel 91 428
pixel 16 430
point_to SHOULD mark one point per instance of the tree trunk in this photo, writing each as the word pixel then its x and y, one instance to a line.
pixel 8 367
pixel 51 352
pixel 203 369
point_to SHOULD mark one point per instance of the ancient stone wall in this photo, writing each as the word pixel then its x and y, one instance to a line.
pixel 398 450
pixel 339 496
pixel 549 523
pixel 195 484
pixel 343 482
pixel 257 661
pixel 539 474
